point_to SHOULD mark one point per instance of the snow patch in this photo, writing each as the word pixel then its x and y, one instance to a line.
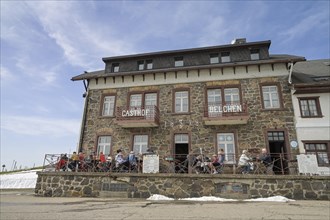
pixel 20 180
pixel 270 199
pixel 159 197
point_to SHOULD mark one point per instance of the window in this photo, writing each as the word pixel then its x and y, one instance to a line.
pixel 104 145
pixel 225 57
pixel 181 102
pixel 181 139
pixel 108 106
pixel 140 65
pixel 232 96
pixel 321 150
pixel 226 141
pixel 310 107
pixel 270 97
pixel 150 99
pixel 275 136
pixel 254 54
pixel 149 64
pixel 140 144
pixel 135 100
pixel 214 58
pixel 223 100
pixel 178 61
pixel 115 67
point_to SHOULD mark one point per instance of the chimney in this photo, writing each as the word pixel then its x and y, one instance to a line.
pixel 239 41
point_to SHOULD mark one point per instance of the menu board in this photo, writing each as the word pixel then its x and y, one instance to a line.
pixel 150 163
pixel 307 164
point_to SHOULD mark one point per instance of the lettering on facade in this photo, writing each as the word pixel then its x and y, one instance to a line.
pixel 181 123
pixel 135 112
pixel 225 108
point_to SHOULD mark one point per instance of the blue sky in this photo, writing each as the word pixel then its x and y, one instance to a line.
pixel 45 43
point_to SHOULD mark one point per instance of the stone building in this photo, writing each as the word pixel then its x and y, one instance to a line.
pixel 189 101
pixel 311 102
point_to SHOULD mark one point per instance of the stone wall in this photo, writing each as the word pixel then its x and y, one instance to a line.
pixel 250 135
pixel 67 184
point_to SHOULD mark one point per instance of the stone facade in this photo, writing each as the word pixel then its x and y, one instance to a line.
pixel 67 184
pixel 250 135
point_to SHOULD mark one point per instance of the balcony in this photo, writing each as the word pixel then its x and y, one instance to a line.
pixel 137 117
pixel 226 114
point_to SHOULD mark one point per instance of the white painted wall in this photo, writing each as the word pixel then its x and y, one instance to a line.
pixel 204 76
pixel 315 129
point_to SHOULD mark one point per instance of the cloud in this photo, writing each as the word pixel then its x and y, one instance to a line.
pixel 6 75
pixel 36 126
pixel 316 20
pixel 82 38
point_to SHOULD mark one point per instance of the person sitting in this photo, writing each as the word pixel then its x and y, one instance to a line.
pixel 214 163
pixel 101 164
pixel 244 162
pixel 219 163
pixel 132 161
pixel 82 165
pixel 61 164
pixel 266 159
pixel 74 162
pixel 121 163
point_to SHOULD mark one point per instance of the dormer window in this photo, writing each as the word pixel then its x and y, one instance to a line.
pixel 178 61
pixel 225 57
pixel 254 54
pixel 115 67
pixel 149 64
pixel 140 65
pixel 214 58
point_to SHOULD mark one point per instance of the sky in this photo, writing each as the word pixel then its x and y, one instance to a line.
pixel 45 43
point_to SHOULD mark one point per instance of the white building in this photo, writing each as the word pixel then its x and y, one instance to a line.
pixel 311 103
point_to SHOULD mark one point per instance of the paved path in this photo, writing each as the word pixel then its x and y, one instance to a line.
pixel 22 205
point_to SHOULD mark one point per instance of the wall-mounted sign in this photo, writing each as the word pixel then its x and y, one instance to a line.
pixel 294 144
pixel 150 163
pixel 225 108
pixel 135 112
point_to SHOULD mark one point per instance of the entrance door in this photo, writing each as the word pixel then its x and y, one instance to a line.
pixel 181 150
pixel 278 152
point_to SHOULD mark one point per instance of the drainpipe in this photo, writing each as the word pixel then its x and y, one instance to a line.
pixel 83 122
pixel 290 72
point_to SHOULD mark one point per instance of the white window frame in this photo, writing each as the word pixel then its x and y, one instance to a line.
pixel 181 139
pixel 178 61
pixel 108 105
pixel 115 67
pixel 255 54
pixel 180 98
pixel 225 57
pixel 150 99
pixel 140 144
pixel 270 96
pixel 233 94
pixel 149 64
pixel 214 58
pixel 224 142
pixel 104 145
pixel 135 100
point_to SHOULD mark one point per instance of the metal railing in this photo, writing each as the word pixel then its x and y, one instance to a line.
pixel 282 164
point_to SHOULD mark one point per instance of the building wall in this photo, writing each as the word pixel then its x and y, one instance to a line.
pixel 68 184
pixel 251 135
pixel 313 129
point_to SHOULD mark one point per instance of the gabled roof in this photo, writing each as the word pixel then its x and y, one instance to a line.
pixel 311 76
pixel 312 71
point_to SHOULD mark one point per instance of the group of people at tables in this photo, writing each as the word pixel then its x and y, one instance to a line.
pixel 98 163
pixel 249 164
pixel 201 164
